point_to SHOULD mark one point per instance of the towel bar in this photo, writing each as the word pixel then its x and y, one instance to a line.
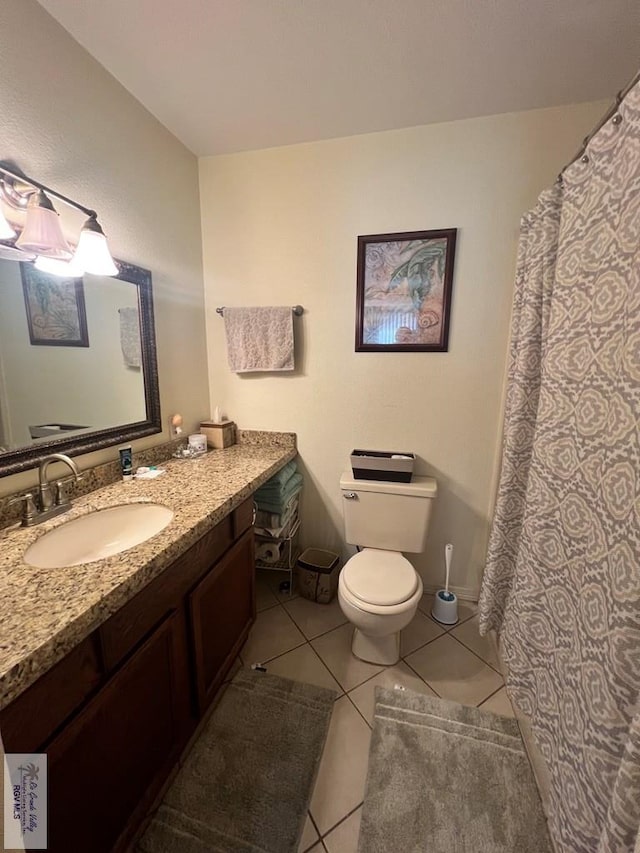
pixel 298 310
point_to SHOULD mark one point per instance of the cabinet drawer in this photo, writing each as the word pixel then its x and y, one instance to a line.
pixel 242 518
pixel 36 714
pixel 124 630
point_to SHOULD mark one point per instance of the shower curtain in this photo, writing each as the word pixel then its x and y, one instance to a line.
pixel 562 580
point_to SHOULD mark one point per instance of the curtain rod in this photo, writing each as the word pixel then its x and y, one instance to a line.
pixel 298 310
pixel 605 118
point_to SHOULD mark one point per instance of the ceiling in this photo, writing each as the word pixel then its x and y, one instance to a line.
pixel 235 75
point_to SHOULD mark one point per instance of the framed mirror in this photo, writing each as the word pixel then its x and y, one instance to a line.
pixel 78 364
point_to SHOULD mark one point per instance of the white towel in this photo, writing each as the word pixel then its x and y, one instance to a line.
pixel 259 339
pixel 130 337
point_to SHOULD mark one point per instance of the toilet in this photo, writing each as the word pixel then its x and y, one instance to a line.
pixel 379 589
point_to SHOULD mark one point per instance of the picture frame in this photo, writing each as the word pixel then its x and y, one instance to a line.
pixel 55 306
pixel 404 283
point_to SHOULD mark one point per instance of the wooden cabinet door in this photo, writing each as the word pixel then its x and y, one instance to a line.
pixel 222 610
pixel 111 760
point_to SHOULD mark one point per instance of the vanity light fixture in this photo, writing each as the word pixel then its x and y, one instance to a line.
pixel 42 232
pixel 42 235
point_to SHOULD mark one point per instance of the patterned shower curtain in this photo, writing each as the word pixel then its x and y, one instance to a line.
pixel 562 581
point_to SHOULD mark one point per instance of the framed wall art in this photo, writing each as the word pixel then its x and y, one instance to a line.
pixel 56 314
pixel 404 284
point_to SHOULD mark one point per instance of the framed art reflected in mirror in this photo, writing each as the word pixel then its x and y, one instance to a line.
pixel 56 314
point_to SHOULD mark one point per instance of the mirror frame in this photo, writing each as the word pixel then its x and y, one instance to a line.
pixel 23 458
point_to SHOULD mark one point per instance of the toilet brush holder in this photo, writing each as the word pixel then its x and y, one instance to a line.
pixel 445 607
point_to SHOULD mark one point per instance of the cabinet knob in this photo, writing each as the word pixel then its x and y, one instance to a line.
pixel 351 496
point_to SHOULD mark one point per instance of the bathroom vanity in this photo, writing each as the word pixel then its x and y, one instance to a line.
pixel 112 683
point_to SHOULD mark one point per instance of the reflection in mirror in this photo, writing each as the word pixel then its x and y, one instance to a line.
pixel 77 362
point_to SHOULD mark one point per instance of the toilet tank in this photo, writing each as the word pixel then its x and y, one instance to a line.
pixel 390 516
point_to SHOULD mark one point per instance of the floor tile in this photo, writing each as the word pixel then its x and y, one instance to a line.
pixel 344 838
pixel 309 836
pixel 343 769
pixel 363 696
pixel 469 634
pixel 425 604
pixel 264 596
pixel 272 634
pixel 303 664
pixel 499 703
pixel 466 609
pixel 419 631
pixel 335 650
pixel 313 618
pixel 454 672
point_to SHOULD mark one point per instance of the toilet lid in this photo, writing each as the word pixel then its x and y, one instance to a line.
pixel 380 577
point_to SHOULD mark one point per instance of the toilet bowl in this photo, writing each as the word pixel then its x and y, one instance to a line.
pixel 378 592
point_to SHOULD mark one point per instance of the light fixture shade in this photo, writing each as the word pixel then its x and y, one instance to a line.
pixel 66 269
pixel 42 233
pixel 6 231
pixel 92 252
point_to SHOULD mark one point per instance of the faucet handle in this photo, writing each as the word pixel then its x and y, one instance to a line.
pixel 29 510
pixel 70 479
pixel 62 496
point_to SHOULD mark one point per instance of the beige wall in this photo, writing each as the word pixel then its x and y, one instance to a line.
pixel 280 227
pixel 70 125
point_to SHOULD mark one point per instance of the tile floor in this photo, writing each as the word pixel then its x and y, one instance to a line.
pixel 311 642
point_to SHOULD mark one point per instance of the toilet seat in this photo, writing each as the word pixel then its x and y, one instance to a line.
pixel 379 579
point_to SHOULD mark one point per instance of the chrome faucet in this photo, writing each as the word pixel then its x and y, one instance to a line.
pixel 46 504
pixel 45 497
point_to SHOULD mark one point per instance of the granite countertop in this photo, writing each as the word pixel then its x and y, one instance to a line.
pixel 44 613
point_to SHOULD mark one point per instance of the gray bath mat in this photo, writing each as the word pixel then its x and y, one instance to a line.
pixel 246 784
pixel 446 778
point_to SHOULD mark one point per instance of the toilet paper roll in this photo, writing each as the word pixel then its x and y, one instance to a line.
pixel 269 552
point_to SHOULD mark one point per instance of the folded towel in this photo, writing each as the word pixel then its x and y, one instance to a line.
pixel 275 520
pixel 259 339
pixel 281 477
pixel 130 337
pixel 277 484
pixel 282 532
pixel 278 505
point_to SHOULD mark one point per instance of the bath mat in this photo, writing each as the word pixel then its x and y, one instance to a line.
pixel 446 778
pixel 246 784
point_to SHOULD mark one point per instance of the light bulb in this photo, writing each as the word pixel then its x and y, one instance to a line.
pixel 67 269
pixel 92 252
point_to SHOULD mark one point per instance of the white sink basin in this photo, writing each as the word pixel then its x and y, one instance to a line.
pixel 99 534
